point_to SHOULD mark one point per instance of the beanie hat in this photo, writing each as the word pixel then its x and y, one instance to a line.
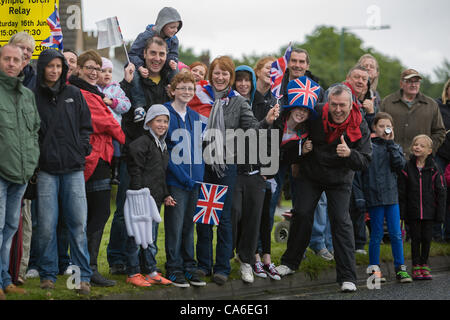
pixel 106 63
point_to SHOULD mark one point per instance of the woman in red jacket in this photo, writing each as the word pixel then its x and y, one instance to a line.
pixel 98 164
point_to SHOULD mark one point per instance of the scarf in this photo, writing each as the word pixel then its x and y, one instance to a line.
pixel 351 125
pixel 80 83
pixel 215 135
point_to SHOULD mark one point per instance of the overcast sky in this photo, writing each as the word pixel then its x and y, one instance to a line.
pixel 419 30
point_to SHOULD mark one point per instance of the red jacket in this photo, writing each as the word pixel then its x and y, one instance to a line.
pixel 105 128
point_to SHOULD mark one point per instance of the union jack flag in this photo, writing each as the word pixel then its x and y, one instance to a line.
pixel 210 203
pixel 277 72
pixel 304 89
pixel 56 37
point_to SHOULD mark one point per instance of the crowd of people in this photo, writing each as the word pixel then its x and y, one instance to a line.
pixel 69 132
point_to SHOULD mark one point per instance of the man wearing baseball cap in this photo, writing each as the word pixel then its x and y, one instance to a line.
pixel 413 112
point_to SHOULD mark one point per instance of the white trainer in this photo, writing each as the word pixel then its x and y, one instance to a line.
pixel 284 270
pixel 246 272
pixel 31 274
pixel 348 287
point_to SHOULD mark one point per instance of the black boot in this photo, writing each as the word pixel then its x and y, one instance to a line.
pixel 115 165
pixel 97 280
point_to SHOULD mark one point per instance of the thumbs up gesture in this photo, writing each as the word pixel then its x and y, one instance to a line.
pixel 342 149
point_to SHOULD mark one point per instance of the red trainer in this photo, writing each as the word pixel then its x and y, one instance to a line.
pixel 138 280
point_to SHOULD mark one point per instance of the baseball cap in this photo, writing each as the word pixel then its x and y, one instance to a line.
pixel 410 73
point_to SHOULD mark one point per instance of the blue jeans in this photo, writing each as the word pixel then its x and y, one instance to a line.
pixel 321 231
pixel 10 203
pixel 139 259
pixel 116 250
pixel 224 246
pixel 179 230
pixel 377 215
pixel 70 189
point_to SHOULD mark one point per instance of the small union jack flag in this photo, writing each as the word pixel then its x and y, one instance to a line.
pixel 277 72
pixel 56 37
pixel 210 203
pixel 305 91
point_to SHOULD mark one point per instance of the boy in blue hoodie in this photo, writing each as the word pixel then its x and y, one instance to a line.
pixel 185 168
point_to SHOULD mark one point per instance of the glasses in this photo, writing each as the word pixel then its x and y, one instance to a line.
pixel 415 82
pixel 91 69
pixel 185 89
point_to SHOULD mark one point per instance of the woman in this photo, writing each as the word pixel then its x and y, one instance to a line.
pixel 97 172
pixel 225 109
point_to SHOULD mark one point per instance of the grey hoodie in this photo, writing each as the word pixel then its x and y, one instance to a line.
pixel 154 111
pixel 165 16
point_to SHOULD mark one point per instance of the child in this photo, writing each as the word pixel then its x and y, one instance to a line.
pixel 379 184
pixel 167 25
pixel 147 163
pixel 199 70
pixel 117 102
pixel 422 195
pixel 182 175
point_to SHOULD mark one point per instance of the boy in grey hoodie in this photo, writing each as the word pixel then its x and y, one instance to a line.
pixel 167 25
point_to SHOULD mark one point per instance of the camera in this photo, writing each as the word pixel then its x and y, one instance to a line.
pixel 387 131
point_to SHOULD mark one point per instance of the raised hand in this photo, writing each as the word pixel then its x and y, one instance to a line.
pixel 342 149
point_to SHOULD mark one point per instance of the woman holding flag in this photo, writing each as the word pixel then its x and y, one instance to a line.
pixel 225 109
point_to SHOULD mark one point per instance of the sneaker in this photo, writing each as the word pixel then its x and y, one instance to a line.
pixel 195 279
pixel 403 276
pixel 32 273
pixel 138 280
pixel 219 278
pixel 426 272
pixel 47 285
pixel 157 279
pixel 258 270
pixel 246 272
pixel 361 251
pixel 417 272
pixel 97 280
pixel 348 287
pixel 272 271
pixel 14 289
pixel 325 254
pixel 284 270
pixel 178 280
pixel 85 288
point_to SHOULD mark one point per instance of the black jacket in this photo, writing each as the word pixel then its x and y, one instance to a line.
pixel 147 167
pixel 65 121
pixel 324 166
pixel 444 149
pixel 422 194
pixel 153 94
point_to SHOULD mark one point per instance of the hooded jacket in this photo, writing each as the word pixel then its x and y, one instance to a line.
pixel 148 159
pixel 65 121
pixel 185 175
pixel 165 16
pixel 19 126
pixel 253 79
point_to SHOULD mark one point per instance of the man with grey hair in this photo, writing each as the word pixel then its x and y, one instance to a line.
pixel 19 153
pixel 341 146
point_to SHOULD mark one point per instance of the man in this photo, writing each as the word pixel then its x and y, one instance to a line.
pixel 64 143
pixel 19 152
pixel 341 146
pixel 71 58
pixel 27 43
pixel 142 92
pixel 414 113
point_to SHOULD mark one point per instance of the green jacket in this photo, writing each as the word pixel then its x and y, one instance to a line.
pixel 19 126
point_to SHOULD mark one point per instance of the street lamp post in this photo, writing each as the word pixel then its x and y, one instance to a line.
pixel 342 47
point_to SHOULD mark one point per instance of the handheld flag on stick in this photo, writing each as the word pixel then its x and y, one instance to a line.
pixel 56 37
pixel 109 34
pixel 277 72
pixel 210 203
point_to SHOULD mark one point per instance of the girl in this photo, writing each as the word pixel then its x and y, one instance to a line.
pixel 379 183
pixel 147 163
pixel 199 70
pixel 117 102
pixel 422 195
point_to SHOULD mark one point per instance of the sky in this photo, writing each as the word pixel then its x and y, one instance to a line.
pixel 418 35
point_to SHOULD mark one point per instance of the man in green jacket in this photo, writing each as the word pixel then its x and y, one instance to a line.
pixel 19 152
